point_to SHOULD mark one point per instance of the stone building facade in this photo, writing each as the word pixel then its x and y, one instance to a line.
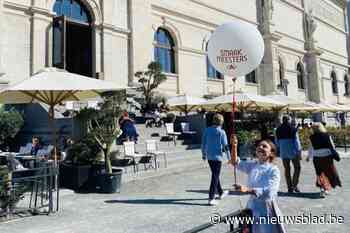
pixel 305 42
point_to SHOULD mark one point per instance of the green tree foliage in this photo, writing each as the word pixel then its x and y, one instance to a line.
pixel 103 125
pixel 150 80
pixel 10 123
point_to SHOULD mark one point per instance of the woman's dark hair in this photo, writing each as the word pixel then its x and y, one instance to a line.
pixel 273 149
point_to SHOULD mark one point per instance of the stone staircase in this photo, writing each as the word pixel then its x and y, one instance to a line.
pixel 180 157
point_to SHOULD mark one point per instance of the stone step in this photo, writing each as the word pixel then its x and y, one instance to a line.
pixel 177 162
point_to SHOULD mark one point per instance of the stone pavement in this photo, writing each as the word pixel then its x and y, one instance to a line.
pixel 178 202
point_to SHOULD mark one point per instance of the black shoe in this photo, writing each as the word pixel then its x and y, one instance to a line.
pixel 296 190
pixel 290 190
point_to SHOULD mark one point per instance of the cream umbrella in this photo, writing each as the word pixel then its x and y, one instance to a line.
pixel 245 101
pixel 53 86
pixel 337 107
pixel 185 103
pixel 309 106
pixel 287 100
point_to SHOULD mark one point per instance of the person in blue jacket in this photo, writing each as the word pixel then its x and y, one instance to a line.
pixel 289 146
pixel 214 144
pixel 128 127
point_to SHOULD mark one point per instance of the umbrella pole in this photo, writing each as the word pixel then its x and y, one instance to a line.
pixel 54 141
pixel 233 133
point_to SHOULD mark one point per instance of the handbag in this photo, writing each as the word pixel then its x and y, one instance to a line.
pixel 334 152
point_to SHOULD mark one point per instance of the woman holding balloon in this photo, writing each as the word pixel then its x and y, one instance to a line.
pixel 263 184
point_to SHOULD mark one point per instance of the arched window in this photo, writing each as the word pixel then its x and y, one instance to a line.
pixel 281 73
pixel 334 83
pixel 300 76
pixel 72 37
pixel 72 9
pixel 347 85
pixel 164 50
pixel 212 73
pixel 251 77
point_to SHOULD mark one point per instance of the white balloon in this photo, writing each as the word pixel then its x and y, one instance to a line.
pixel 236 48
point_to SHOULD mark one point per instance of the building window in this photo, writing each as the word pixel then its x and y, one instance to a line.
pixel 300 76
pixel 72 23
pixel 334 83
pixel 164 50
pixel 251 77
pixel 347 85
pixel 72 9
pixel 212 73
pixel 281 73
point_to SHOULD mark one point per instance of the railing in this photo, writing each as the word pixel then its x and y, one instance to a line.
pixel 33 188
pixel 234 226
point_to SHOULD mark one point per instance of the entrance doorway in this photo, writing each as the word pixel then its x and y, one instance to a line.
pixel 79 49
pixel 72 38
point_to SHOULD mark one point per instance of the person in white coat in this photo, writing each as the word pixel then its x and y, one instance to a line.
pixel 263 184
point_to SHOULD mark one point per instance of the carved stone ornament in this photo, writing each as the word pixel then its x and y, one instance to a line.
pixel 310 26
pixel 267 7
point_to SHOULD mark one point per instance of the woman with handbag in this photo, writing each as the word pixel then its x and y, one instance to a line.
pixel 322 151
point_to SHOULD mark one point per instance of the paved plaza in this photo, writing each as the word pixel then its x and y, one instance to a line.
pixel 178 202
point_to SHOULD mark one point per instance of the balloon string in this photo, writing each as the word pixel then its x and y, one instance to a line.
pixel 233 143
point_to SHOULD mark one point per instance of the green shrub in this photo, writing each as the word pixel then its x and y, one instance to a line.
pixel 10 124
pixel 340 135
pixel 304 136
pixel 245 136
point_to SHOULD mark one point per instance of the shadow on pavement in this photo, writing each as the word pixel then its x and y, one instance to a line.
pixel 160 201
pixel 300 195
pixel 231 192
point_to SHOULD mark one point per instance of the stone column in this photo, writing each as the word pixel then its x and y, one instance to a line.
pixel 40 38
pixel 268 70
pixel 2 68
pixel 314 76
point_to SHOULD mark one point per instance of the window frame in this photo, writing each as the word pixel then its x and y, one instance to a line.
pixel 71 16
pixel 334 83
pixel 346 85
pixel 247 78
pixel 300 76
pixel 167 50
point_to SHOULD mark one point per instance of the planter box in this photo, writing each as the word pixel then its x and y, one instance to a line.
pixel 74 176
pixel 108 183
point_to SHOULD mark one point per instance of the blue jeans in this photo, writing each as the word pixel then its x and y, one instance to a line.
pixel 215 186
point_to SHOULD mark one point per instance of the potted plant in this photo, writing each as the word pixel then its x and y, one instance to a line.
pixel 76 169
pixel 149 81
pixel 103 129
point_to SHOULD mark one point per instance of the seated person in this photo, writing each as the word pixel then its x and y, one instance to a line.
pixel 68 149
pixel 129 130
pixel 35 147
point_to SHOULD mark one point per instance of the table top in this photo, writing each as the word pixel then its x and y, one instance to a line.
pixel 18 155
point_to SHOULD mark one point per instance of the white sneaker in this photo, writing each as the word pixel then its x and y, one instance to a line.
pixel 213 202
pixel 224 194
pixel 322 194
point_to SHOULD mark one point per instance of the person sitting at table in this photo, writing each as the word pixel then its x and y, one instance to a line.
pixel 35 147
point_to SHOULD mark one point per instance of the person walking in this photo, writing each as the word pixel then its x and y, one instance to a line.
pixel 320 151
pixel 289 147
pixel 263 185
pixel 214 144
